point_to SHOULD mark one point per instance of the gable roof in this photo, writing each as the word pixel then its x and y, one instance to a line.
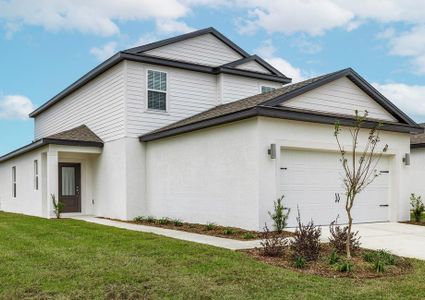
pixel 78 136
pixel 137 54
pixel 255 58
pixel 267 105
pixel 187 36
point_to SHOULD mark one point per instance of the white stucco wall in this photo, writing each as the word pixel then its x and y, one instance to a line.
pixel 417 172
pixel 28 200
pixel 304 135
pixel 205 176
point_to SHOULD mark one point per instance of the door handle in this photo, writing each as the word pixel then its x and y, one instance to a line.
pixel 383 205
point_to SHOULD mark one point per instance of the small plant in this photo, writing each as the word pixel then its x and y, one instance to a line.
pixel 210 226
pixel 418 206
pixel 177 222
pixel 139 219
pixel 279 216
pixel 272 245
pixel 379 266
pixel 150 219
pixel 334 258
pixel 228 231
pixel 57 206
pixel 300 262
pixel 248 236
pixel 338 238
pixel 383 256
pixel 345 266
pixel 306 241
pixel 164 221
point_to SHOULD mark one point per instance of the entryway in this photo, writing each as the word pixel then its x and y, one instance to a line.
pixel 70 187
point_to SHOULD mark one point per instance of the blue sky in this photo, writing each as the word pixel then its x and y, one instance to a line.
pixel 46 45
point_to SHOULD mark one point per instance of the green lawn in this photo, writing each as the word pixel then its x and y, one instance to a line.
pixel 71 259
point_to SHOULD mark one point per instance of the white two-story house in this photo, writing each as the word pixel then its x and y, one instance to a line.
pixel 195 128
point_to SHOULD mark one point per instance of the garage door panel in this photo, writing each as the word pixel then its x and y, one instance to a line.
pixel 312 180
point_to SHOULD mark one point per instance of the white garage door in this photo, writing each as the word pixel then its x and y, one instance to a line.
pixel 312 180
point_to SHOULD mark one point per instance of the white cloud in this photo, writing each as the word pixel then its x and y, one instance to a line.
pixel 267 51
pixel 172 26
pixel 14 107
pixel 409 98
pixel 95 16
pixel 104 52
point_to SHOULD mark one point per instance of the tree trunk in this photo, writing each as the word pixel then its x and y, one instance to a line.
pixel 350 222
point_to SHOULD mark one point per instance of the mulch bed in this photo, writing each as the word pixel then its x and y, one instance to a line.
pixel 322 267
pixel 219 231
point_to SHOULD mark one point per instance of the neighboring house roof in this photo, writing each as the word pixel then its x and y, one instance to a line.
pixel 418 140
pixel 79 136
pixel 268 104
pixel 137 54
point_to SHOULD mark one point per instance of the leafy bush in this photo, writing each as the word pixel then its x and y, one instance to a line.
pixel 57 206
pixel 150 219
pixel 383 256
pixel 164 221
pixel 139 219
pixel 279 216
pixel 300 262
pixel 248 235
pixel 345 266
pixel 334 258
pixel 228 231
pixel 338 238
pixel 272 245
pixel 418 206
pixel 210 226
pixel 379 266
pixel 306 242
pixel 177 222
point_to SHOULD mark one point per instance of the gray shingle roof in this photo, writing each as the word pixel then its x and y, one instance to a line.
pixel 240 105
pixel 417 139
pixel 81 133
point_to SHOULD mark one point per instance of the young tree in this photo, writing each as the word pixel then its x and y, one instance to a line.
pixel 359 165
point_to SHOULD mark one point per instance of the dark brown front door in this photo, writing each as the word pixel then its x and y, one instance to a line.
pixel 70 187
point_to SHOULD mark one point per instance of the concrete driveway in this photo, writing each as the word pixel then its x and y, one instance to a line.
pixel 401 239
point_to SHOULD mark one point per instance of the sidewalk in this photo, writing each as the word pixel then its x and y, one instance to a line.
pixel 176 234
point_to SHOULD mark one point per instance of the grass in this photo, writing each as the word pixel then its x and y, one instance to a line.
pixel 69 259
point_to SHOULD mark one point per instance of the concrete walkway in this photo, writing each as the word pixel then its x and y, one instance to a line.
pixel 176 234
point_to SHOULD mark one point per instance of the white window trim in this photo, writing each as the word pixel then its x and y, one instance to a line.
pixel 36 175
pixel 152 110
pixel 14 185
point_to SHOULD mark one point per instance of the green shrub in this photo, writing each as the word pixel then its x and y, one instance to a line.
pixel 177 222
pixel 379 266
pixel 272 245
pixel 210 226
pixel 345 266
pixel 417 206
pixel 139 219
pixel 164 221
pixel 57 206
pixel 279 216
pixel 150 219
pixel 300 262
pixel 383 256
pixel 248 236
pixel 228 231
pixel 334 258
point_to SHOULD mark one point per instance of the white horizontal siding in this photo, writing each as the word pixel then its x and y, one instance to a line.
pixel 253 66
pixel 99 104
pixel 188 93
pixel 238 87
pixel 205 50
pixel 341 96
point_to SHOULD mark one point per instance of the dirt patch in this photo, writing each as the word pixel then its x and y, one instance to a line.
pixel 213 230
pixel 361 268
